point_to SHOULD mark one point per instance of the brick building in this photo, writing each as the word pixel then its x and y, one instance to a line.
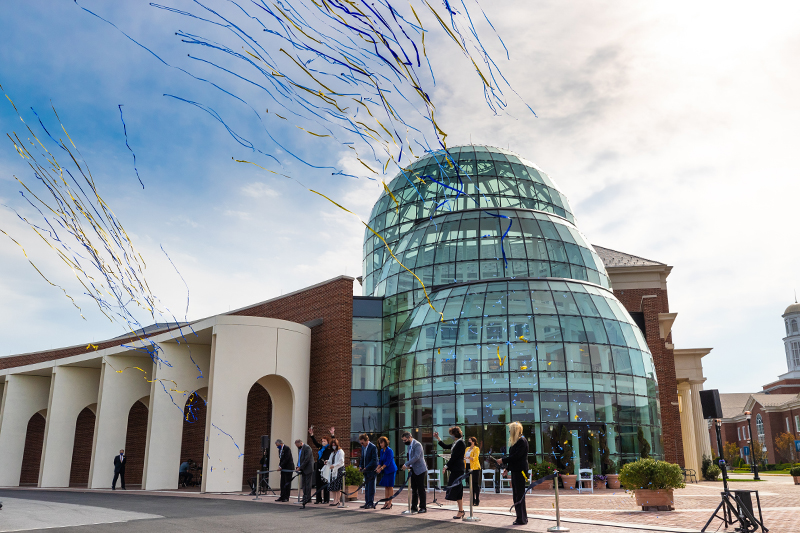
pixel 775 412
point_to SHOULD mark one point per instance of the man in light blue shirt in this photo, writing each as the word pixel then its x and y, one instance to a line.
pixel 416 463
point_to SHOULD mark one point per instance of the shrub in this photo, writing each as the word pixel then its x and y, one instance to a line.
pixel 652 475
pixel 353 476
pixel 611 467
pixel 704 467
pixel 713 473
pixel 538 471
pixel 795 471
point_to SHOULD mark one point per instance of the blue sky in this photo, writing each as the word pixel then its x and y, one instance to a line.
pixel 671 127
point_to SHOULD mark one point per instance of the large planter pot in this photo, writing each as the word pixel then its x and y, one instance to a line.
pixel 569 482
pixel 547 485
pixel 599 484
pixel 655 500
pixel 796 480
pixel 612 480
pixel 351 488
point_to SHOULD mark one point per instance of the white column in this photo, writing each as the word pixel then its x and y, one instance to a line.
pixel 123 381
pixel 23 397
pixel 174 380
pixel 71 390
pixel 700 425
pixel 246 350
pixel 690 456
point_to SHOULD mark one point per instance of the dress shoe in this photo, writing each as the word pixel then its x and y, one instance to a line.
pixel 422 511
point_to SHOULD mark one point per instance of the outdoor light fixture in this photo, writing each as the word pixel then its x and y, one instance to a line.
pixel 753 464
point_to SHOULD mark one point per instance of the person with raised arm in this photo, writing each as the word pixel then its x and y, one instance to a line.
pixel 323 454
pixel 456 467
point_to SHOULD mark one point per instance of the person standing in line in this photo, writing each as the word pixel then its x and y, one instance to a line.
pixel 416 463
pixel 286 464
pixel 473 456
pixel 323 454
pixel 305 465
pixel 456 467
pixel 368 464
pixel 516 462
pixel 119 470
pixel 388 469
pixel 336 462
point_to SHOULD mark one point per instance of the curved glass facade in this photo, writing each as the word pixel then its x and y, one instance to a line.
pixel 522 325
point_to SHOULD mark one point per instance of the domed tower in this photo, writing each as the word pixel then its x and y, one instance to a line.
pixel 791 319
pixel 497 309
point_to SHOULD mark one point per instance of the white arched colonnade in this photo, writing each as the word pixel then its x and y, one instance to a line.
pixel 221 357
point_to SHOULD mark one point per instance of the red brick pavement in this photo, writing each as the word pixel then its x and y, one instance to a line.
pixel 605 511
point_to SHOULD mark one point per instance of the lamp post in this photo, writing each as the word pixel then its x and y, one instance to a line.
pixel 748 415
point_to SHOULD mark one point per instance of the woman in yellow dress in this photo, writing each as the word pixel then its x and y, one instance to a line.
pixel 473 458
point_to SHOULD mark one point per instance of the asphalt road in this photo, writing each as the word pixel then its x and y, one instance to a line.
pixel 202 515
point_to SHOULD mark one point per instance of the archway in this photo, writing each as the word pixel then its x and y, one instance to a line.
pixel 136 442
pixel 194 428
pixel 258 422
pixel 32 456
pixel 82 449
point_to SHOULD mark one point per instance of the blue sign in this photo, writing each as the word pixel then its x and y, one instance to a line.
pixel 747 448
pixel 797 446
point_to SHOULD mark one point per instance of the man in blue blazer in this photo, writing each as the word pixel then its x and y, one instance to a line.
pixel 368 464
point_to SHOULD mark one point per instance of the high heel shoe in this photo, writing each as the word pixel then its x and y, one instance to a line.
pixel 459 515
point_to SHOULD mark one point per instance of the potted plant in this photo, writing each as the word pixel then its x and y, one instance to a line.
pixel 353 478
pixel 600 481
pixel 795 472
pixel 541 470
pixel 569 480
pixel 612 478
pixel 653 483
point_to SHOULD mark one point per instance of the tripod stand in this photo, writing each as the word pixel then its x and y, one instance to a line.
pixel 736 506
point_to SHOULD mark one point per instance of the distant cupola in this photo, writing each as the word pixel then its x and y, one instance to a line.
pixel 791 319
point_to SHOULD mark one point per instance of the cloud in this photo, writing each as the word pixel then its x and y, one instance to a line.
pixel 259 190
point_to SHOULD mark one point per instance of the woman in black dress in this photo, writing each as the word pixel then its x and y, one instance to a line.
pixel 516 462
pixel 456 467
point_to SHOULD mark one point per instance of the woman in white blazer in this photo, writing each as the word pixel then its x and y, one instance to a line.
pixel 336 480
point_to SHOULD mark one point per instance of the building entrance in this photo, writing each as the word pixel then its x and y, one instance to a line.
pixel 583 445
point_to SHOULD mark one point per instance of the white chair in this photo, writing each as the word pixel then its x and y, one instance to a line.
pixel 433 476
pixel 585 475
pixel 505 483
pixel 487 479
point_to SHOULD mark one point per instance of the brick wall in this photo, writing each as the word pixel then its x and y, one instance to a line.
pixel 135 443
pixel 331 347
pixel 664 360
pixel 258 422
pixel 82 449
pixel 194 432
pixel 32 456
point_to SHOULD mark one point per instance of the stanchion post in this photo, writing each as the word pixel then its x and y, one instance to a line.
pixel 471 518
pixel 408 511
pixel 258 483
pixel 558 528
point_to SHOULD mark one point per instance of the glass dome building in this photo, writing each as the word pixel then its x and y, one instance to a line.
pixel 516 321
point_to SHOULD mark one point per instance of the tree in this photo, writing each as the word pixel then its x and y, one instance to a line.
pixel 784 448
pixel 730 452
pixel 757 454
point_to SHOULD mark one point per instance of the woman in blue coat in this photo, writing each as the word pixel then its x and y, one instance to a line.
pixel 388 468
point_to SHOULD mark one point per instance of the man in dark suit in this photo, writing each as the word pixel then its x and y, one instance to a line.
pixel 368 464
pixel 305 465
pixel 286 464
pixel 119 470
